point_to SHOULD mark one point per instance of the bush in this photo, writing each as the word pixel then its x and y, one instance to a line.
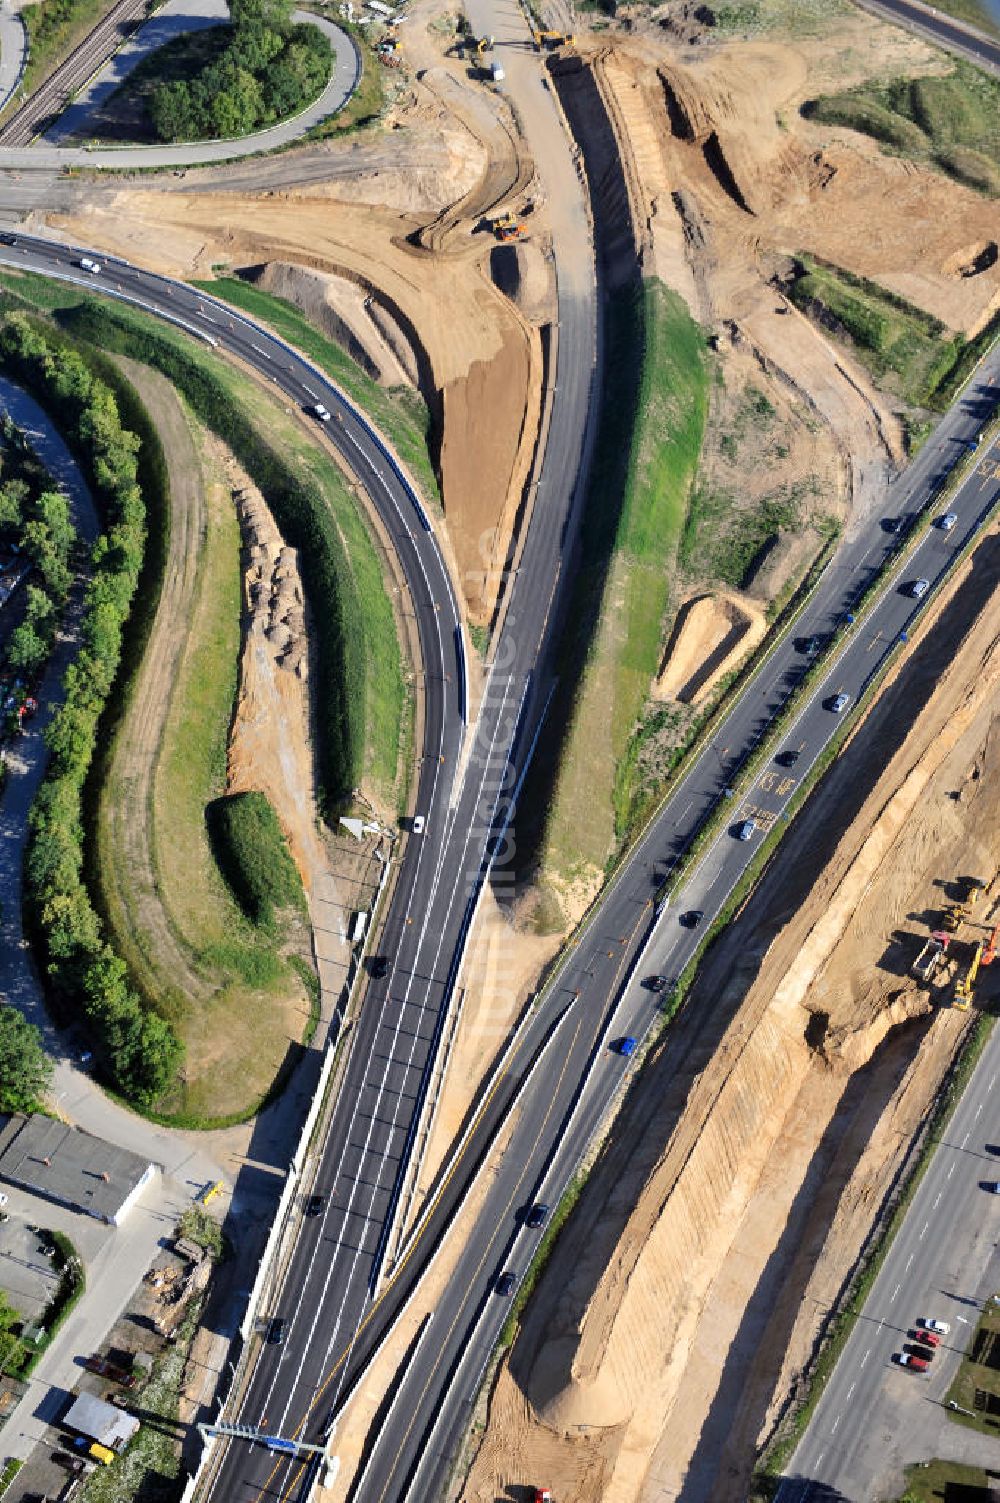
pixel 253 855
pixel 305 522
pixel 140 1050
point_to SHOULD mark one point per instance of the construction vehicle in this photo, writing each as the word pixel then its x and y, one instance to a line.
pixel 956 913
pixel 930 956
pixel 509 227
pixel 965 983
pixel 553 39
pixel 484 44
pixel 990 950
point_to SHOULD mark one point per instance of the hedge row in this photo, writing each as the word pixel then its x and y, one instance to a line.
pixel 305 522
pixel 139 1049
pixel 253 855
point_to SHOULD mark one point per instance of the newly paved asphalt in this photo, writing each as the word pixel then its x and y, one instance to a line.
pixel 874 1416
pixel 942 29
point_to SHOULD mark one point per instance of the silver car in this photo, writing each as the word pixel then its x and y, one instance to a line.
pixel 838 704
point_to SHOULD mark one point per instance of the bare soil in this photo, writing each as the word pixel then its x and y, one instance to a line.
pixel 750 1162
pixel 713 633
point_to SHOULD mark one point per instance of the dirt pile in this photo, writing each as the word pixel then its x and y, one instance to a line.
pixel 704 1200
pixel 712 634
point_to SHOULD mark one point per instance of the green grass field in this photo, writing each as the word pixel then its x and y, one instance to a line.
pixel 906 350
pixel 628 556
pixel 941 1481
pixel 400 412
pixel 952 122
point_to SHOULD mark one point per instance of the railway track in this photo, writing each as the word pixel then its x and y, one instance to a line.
pixel 51 97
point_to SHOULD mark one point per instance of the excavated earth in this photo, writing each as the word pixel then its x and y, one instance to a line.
pixel 759 1143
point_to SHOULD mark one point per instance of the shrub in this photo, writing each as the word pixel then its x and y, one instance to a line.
pixel 253 855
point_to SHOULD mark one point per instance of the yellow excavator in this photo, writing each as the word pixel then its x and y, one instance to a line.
pixel 553 39
pixel 965 983
pixel 509 227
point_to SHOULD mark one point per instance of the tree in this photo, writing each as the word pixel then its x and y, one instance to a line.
pixel 26 650
pixel 25 1068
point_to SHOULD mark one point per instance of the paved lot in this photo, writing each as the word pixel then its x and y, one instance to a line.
pixel 27 1276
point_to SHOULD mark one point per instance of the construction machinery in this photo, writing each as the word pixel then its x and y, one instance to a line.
pixel 484 44
pixel 965 983
pixel 990 950
pixel 956 913
pixel 930 956
pixel 509 227
pixel 553 39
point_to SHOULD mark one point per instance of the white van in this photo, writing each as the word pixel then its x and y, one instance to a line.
pixel 88 265
pixel 359 926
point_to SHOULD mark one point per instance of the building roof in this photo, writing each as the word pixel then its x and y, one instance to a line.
pixel 69 1165
pixel 103 1422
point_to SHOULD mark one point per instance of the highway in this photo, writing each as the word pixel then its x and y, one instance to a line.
pixel 874 1416
pixel 937 27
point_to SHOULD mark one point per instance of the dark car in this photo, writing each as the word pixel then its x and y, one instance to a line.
pixel 655 983
pixel 692 918
pixel 538 1215
pixel 506 1284
pixel 8 239
pixel 378 967
pixel 71 1463
pixel 920 1351
pixel 787 758
pixel 895 525
pixel 809 646
pixel 276 1330
pixel 315 1204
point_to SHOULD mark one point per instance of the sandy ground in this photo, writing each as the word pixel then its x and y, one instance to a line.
pixel 713 633
pixel 797 1100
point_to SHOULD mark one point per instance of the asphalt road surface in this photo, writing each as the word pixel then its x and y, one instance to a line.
pixel 940 28
pixel 875 1417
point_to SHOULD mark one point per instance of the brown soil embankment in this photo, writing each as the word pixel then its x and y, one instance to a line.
pixel 712 634
pixel 804 1027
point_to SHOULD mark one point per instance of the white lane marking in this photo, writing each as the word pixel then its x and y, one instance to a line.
pixel 313 394
pixel 979 1108
pixel 935 1205
pixel 991 1084
pixel 260 351
pixel 851 1389
pixel 926 1225
pixel 865 1357
pixel 893 1294
pixel 908 1262
pixel 964 1140
pixel 951 1171
pixel 833 1427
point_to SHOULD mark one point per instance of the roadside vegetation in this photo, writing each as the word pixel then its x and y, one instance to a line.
pixel 226 81
pixel 645 461
pixel 253 856
pixel 908 351
pixel 25 1068
pixel 399 412
pixel 138 1049
pixel 22 1343
pixel 55 28
pixel 953 122
pixel 930 1481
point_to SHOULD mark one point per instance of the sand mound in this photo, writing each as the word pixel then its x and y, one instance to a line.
pixel 712 633
pixel 972 260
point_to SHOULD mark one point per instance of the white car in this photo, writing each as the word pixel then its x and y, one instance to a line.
pixel 419 821
pixel 321 412
pixel 838 704
pixel 88 265
pixel 947 521
pixel 919 587
pixel 939 1327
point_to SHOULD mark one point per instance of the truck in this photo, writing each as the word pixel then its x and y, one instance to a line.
pixel 930 956
pixel 496 72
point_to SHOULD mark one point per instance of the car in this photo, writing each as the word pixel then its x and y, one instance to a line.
pixel 919 1350
pixel 378 966
pixel 993 1148
pixel 315 1204
pixel 692 918
pixel 505 1284
pixel 808 646
pixel 928 1323
pixel 918 587
pixel 626 1047
pixel 71 1463
pixel 88 265
pixel 926 1338
pixel 894 525
pixel 321 413
pixel 838 704
pixel 947 521
pixel 655 983
pixel 276 1330
pixel 8 239
pixel 788 758
pixel 538 1214
pixel 992 1185
pixel 418 824
pixel 907 1359
pixel 3 1198
pixel 746 829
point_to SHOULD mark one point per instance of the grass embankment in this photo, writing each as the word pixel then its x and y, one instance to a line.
pixel 646 457
pixel 908 351
pixel 932 1481
pixel 399 412
pixel 952 123
pixel 359 700
pixel 976 1386
pixel 368 100
pixel 253 856
pixel 55 28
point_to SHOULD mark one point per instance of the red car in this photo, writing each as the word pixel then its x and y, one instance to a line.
pixel 926 1338
pixel 907 1359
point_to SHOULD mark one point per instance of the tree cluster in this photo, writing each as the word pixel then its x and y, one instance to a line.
pixel 34 518
pixel 25 1068
pixel 269 70
pixel 306 524
pixel 140 1050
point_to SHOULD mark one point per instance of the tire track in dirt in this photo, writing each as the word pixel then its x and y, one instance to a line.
pixel 129 870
